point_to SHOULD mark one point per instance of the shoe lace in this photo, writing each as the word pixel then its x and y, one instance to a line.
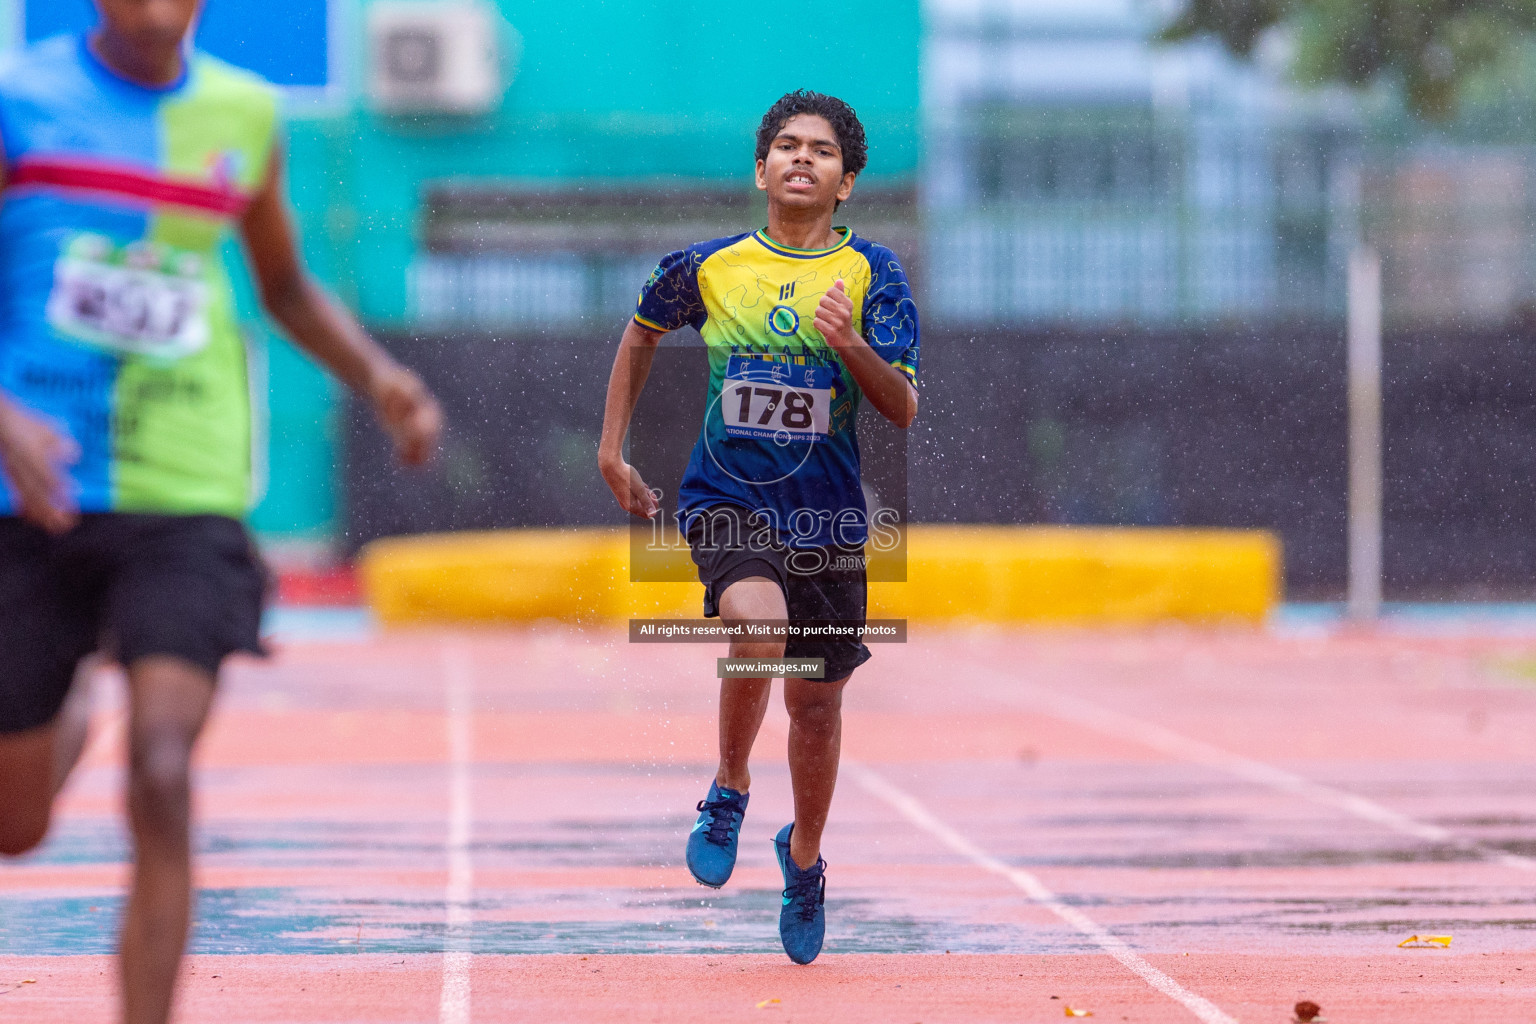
pixel 722 818
pixel 809 891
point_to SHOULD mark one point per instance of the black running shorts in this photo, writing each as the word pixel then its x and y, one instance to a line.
pixel 819 584
pixel 126 584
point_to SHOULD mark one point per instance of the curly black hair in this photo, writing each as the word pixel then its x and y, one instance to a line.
pixel 846 125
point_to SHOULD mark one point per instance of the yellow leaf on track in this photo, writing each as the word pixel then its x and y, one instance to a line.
pixel 1073 1012
pixel 1425 940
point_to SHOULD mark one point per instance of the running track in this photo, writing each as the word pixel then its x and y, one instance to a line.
pixel 1155 826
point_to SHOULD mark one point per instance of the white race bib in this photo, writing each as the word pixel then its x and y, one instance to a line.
pixel 782 402
pixel 145 300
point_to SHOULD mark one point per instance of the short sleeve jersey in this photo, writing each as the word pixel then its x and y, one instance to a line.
pixel 779 432
pixel 117 320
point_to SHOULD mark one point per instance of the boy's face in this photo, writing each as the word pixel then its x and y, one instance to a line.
pixel 149 25
pixel 804 166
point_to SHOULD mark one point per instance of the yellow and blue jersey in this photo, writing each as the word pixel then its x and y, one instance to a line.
pixel 779 432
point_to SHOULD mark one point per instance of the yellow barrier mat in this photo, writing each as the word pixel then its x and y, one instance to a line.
pixel 954 574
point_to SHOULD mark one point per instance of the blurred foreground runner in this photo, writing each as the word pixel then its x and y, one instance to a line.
pixel 803 322
pixel 125 428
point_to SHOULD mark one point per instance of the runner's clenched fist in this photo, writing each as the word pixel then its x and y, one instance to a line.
pixel 834 317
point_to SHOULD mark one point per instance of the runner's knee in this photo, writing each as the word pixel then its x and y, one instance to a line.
pixel 160 781
pixel 757 648
pixel 21 832
pixel 26 788
pixel 819 715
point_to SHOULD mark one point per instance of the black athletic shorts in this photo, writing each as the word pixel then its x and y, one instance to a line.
pixel 125 584
pixel 729 544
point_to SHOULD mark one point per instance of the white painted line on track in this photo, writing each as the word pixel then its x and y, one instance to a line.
pixel 1184 748
pixel 910 808
pixel 458 679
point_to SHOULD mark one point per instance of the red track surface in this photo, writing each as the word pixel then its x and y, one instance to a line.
pixel 1244 820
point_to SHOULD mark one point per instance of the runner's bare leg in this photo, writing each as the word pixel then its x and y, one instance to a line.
pixel 169 702
pixel 26 787
pixel 815 745
pixel 35 763
pixel 743 702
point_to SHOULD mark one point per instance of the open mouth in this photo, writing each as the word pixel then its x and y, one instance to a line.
pixel 799 179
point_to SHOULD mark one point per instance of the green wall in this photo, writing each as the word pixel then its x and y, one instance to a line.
pixel 636 90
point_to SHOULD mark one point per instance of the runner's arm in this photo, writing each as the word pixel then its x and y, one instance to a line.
pixel 33 456
pixel 631 366
pixel 328 332
pixel 886 387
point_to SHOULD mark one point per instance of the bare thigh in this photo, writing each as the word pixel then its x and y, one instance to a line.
pixel 26 787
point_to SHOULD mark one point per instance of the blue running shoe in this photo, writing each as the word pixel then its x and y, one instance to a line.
pixel 803 917
pixel 712 843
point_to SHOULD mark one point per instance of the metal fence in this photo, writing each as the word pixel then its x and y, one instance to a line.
pixel 508 257
pixel 1157 265
pixel 1123 215
pixel 450 291
pixel 1455 226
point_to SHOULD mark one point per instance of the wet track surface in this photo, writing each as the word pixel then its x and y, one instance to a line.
pixel 1259 817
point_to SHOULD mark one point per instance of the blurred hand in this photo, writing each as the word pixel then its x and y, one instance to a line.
pixel 409 414
pixel 834 317
pixel 624 481
pixel 35 456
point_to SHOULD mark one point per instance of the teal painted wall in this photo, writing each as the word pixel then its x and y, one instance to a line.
pixel 637 90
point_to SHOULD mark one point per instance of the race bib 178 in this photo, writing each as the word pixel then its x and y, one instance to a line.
pixel 144 299
pixel 782 402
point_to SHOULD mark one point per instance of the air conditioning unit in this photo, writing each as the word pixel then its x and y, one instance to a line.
pixel 434 57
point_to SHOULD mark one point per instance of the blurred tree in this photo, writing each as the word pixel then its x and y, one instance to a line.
pixel 1433 48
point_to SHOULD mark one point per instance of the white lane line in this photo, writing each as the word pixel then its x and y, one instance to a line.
pixel 458 679
pixel 908 807
pixel 1176 745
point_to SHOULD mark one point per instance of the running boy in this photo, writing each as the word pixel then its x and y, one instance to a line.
pixel 803 322
pixel 125 426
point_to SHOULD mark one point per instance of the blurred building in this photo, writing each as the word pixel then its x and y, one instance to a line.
pixel 1076 170
pixel 1454 225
